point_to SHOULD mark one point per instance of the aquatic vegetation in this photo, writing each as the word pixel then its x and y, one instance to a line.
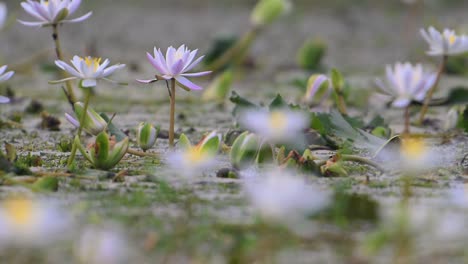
pixel 146 135
pixel 93 123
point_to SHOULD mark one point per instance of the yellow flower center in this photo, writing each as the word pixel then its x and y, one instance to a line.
pixel 19 210
pixel 413 148
pixel 92 62
pixel 194 155
pixel 452 39
pixel 278 120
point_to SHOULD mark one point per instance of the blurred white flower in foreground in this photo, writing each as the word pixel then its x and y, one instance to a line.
pixel 416 154
pixel 26 222
pixel 280 196
pixel 52 12
pixel 5 76
pixel 3 14
pixel 444 43
pixel 406 82
pixel 99 246
pixel 276 126
pixel 190 160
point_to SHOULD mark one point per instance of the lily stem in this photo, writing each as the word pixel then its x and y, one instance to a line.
pixel 430 93
pixel 406 130
pixel 80 128
pixel 172 113
pixel 58 51
pixel 362 160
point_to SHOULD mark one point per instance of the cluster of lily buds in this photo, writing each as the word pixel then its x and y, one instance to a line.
pixel 26 222
pixel 190 159
pixel 249 149
pixel 93 122
pixel 267 11
pixel 406 83
pixel 52 12
pixel 444 43
pixel 146 135
pixel 105 152
pixel 4 76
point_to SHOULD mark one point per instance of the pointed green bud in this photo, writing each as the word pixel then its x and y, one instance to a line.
pixel 219 88
pixel 247 150
pixel 146 135
pixel 318 88
pixel 265 154
pixel 184 142
pixel 337 80
pixel 93 123
pixel 267 11
pixel 210 144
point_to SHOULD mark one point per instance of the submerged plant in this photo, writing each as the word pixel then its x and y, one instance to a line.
pixel 88 70
pixel 174 67
pixel 443 44
pixel 5 76
pixel 406 83
pixel 105 152
pixel 54 13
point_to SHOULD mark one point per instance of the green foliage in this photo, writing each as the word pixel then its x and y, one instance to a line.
pixel 310 55
pixel 46 184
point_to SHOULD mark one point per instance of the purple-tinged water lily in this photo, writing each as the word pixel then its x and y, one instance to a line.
pixel 52 12
pixel 4 76
pixel 406 82
pixel 175 65
pixel 444 43
pixel 88 70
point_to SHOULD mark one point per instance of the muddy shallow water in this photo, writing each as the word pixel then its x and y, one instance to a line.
pixel 203 219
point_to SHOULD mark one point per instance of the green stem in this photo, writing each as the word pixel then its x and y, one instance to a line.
pixel 237 51
pixel 430 93
pixel 58 51
pixel 341 103
pixel 80 128
pixel 142 154
pixel 362 160
pixel 406 130
pixel 172 113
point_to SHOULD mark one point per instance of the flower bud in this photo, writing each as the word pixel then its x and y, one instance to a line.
pixel 219 88
pixel 267 11
pixel 318 88
pixel 146 135
pixel 93 123
pixel 248 149
pixel 105 153
pixel 451 120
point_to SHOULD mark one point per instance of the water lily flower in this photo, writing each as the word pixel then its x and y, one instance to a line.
pixel 283 196
pixel 275 126
pixel 27 222
pixel 3 14
pixel 88 70
pixel 94 123
pixel 52 12
pixel 4 76
pixel 444 43
pixel 406 82
pixel 176 65
pixel 97 246
pixel 191 159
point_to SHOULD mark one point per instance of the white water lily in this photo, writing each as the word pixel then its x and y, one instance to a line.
pixel 27 222
pixel 282 196
pixel 88 70
pixel 4 76
pixel 52 12
pixel 277 125
pixel 98 246
pixel 444 43
pixel 406 82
